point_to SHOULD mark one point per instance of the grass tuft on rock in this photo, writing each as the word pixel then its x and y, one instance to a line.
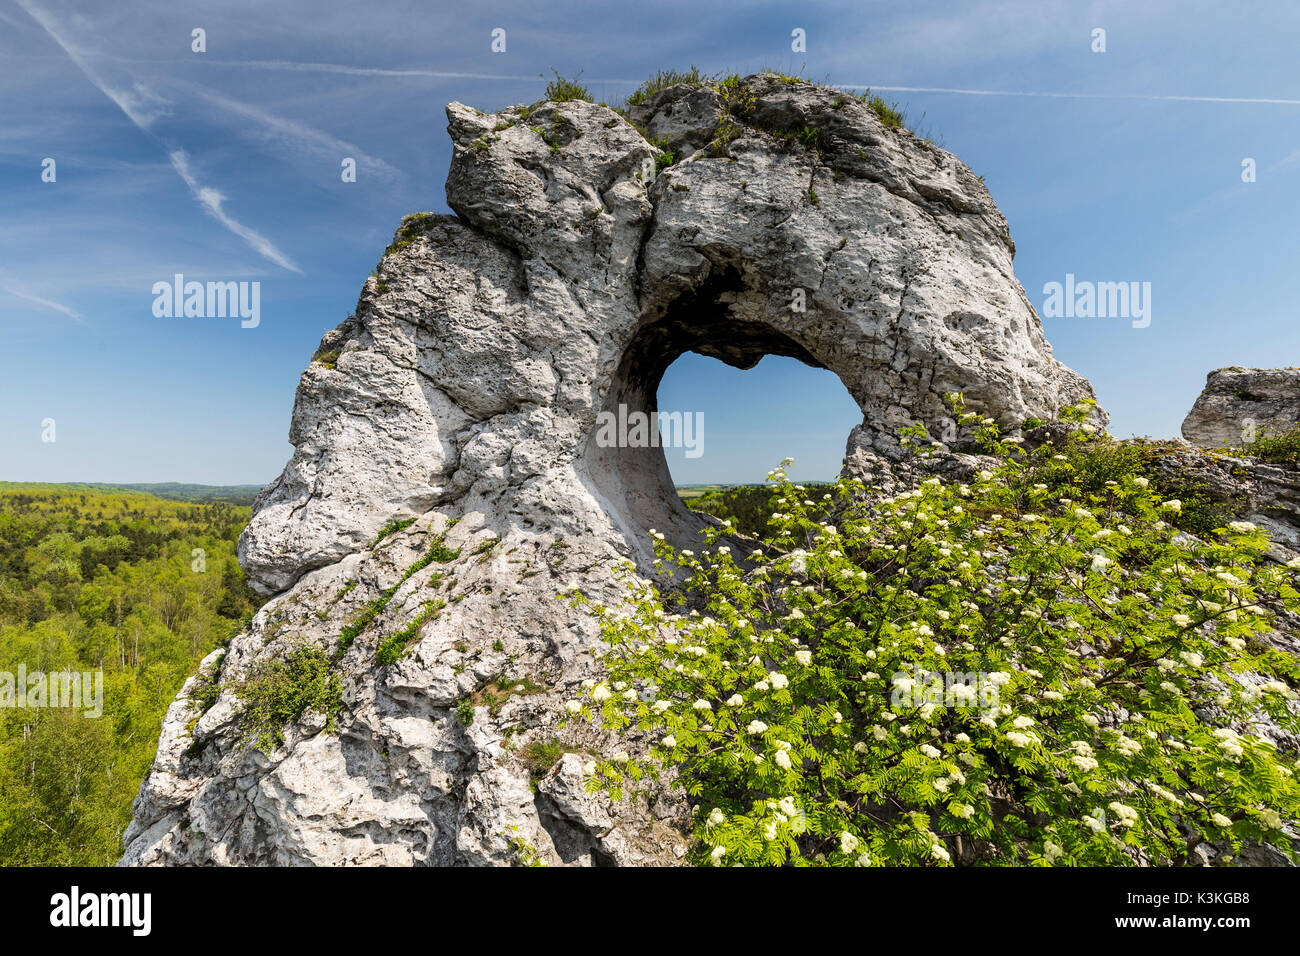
pixel 563 90
pixel 277 693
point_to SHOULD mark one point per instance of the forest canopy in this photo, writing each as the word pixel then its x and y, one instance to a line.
pixel 95 578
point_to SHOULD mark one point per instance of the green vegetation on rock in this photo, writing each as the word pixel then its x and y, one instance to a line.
pixel 561 89
pixel 1032 666
pixel 1280 447
pixel 279 692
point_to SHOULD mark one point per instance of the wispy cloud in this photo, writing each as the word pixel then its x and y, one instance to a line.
pixel 301 67
pixel 1234 194
pixel 344 69
pixel 13 290
pixel 12 21
pixel 212 199
pixel 1286 162
pixel 298 134
pixel 142 107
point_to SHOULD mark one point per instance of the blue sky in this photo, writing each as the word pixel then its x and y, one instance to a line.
pixel 225 165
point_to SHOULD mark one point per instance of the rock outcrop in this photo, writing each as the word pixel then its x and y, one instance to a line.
pixel 463 397
pixel 1244 487
pixel 1239 403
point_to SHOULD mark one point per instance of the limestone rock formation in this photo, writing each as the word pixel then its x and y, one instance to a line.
pixel 463 396
pixel 1239 402
pixel 1236 405
pixel 1247 488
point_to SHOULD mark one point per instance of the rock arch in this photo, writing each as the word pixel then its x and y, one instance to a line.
pixel 467 387
pixel 478 361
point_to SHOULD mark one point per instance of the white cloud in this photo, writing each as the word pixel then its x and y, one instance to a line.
pixel 300 67
pixel 298 134
pixel 142 106
pixel 19 293
pixel 212 199
pixel 1069 96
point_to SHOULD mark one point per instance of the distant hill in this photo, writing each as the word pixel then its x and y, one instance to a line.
pixel 694 491
pixel 240 495
pixel 177 491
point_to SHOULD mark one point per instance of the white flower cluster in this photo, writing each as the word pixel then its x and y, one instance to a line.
pixel 1229 742
pixel 1126 814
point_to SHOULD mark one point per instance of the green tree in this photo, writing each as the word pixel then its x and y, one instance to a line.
pixel 101 580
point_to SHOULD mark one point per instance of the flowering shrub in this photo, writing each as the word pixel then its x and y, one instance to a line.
pixel 1109 693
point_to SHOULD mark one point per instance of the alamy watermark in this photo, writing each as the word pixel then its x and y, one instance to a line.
pixel 1098 300
pixel 637 429
pixel 74 908
pixel 81 690
pixel 211 300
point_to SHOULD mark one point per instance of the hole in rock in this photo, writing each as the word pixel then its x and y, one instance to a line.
pixel 743 423
pixel 729 395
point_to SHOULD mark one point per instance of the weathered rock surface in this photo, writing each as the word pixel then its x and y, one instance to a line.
pixel 1238 403
pixel 1248 489
pixel 464 394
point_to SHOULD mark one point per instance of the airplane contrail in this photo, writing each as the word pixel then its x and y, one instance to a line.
pixel 135 107
pixel 300 133
pixel 211 200
pixel 1276 101
pixel 20 294
pixel 305 66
